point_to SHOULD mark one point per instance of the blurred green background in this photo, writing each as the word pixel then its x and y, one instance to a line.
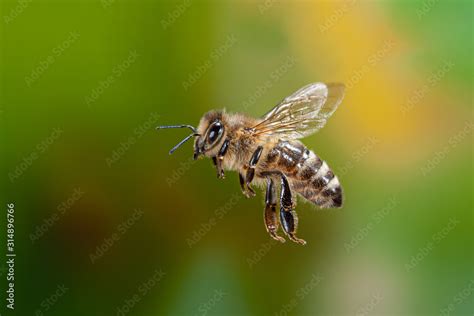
pixel 107 223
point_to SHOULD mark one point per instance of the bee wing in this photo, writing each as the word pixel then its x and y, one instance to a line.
pixel 303 113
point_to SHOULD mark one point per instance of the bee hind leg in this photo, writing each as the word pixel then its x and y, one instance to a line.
pixel 288 217
pixel 271 218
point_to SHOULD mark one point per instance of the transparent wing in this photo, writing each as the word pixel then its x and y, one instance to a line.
pixel 303 113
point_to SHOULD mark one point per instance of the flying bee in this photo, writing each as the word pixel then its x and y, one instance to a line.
pixel 267 151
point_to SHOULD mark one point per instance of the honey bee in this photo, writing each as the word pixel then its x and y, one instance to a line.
pixel 267 151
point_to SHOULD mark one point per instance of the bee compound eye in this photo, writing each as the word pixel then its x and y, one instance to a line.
pixel 215 132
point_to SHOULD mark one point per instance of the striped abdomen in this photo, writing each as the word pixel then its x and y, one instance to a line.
pixel 307 173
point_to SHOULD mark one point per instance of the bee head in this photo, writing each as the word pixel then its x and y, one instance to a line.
pixel 211 132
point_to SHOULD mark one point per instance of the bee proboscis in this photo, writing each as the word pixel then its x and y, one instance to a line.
pixel 267 151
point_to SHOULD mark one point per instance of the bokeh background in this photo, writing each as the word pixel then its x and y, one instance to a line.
pixel 107 223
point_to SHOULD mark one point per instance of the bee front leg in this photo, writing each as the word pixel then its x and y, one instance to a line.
pixel 217 163
pixel 219 158
pixel 288 217
pixel 271 218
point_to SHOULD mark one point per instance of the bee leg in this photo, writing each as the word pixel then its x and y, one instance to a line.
pixel 218 165
pixel 288 217
pixel 271 219
pixel 251 169
pixel 219 158
pixel 248 192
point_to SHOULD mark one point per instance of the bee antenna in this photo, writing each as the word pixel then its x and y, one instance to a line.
pixel 195 133
pixel 181 143
pixel 178 126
